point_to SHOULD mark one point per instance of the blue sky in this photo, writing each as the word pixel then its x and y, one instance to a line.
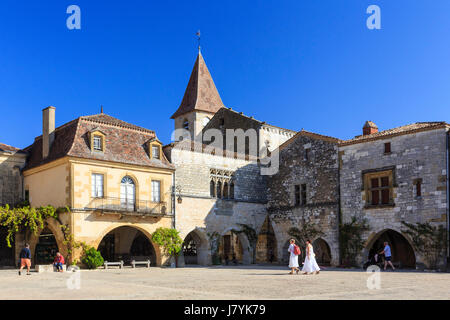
pixel 295 64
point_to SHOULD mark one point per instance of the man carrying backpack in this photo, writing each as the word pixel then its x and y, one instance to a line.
pixel 293 259
pixel 25 259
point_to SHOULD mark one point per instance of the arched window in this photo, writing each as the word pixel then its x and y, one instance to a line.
pixel 231 190
pixel 185 124
pixel 219 190
pixel 225 190
pixel 127 193
pixel 212 189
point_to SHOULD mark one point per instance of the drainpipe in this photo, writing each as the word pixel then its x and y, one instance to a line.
pixel 173 200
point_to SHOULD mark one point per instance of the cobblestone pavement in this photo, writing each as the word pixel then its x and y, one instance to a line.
pixel 252 282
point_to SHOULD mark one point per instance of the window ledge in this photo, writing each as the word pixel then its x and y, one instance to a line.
pixel 379 206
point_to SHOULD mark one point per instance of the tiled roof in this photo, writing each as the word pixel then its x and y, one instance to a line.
pixel 201 93
pixel 9 149
pixel 308 134
pixel 408 129
pixel 103 118
pixel 124 143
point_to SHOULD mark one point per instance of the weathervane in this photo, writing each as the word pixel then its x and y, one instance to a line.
pixel 198 39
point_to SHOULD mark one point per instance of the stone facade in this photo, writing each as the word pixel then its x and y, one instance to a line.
pixel 421 155
pixel 12 161
pixel 208 217
pixel 306 161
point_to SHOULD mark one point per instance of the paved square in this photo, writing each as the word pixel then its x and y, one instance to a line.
pixel 249 282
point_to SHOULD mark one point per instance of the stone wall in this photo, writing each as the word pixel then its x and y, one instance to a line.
pixel 320 174
pixel 205 215
pixel 10 177
pixel 415 156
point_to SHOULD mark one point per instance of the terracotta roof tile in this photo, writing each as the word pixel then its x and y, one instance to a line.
pixel 407 129
pixel 124 143
pixel 8 148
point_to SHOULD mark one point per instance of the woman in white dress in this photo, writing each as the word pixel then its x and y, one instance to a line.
pixel 310 265
pixel 293 259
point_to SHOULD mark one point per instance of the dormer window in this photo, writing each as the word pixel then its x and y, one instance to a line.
pixel 155 152
pixel 98 143
pixel 154 147
pixel 97 140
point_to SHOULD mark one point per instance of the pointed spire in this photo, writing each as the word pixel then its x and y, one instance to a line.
pixel 201 93
pixel 101 108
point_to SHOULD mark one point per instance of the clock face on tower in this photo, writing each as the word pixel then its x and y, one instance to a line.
pixel 205 121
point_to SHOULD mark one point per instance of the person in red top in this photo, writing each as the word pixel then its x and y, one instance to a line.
pixel 58 262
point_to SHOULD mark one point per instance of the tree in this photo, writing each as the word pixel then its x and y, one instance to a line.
pixel 169 240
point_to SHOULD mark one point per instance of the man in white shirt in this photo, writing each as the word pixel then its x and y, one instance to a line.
pixel 387 256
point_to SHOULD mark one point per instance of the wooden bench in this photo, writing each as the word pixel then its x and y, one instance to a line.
pixel 146 262
pixel 109 263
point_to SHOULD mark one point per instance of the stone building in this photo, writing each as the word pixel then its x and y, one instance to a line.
pixel 112 175
pixel 12 160
pixel 392 176
pixel 219 192
pixel 305 192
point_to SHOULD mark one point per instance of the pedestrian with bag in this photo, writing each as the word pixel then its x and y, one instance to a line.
pixel 293 259
pixel 25 259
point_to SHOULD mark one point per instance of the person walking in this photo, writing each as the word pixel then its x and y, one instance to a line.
pixel 293 259
pixel 387 256
pixel 310 265
pixel 58 262
pixel 25 259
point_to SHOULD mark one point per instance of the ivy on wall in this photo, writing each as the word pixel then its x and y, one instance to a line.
pixel 307 231
pixel 430 241
pixel 24 217
pixel 19 218
pixel 214 242
pixel 350 240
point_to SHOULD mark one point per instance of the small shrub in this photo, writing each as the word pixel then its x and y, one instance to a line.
pixel 92 258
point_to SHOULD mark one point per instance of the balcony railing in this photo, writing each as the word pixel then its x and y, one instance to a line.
pixel 141 207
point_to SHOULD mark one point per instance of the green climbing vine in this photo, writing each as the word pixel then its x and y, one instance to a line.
pixel 430 241
pixel 24 217
pixel 307 231
pixel 214 246
pixel 18 218
pixel 350 240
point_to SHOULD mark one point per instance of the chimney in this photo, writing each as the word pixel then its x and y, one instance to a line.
pixel 369 128
pixel 48 130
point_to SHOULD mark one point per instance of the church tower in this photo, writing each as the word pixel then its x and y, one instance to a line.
pixel 200 102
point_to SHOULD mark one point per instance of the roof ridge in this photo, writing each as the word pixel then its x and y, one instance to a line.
pixel 127 125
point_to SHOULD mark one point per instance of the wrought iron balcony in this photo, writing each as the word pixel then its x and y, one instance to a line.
pixel 141 207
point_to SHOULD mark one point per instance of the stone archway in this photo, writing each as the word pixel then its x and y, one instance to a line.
pixel 128 243
pixel 195 248
pixel 322 252
pixel 234 246
pixel 7 256
pixel 46 242
pixel 403 254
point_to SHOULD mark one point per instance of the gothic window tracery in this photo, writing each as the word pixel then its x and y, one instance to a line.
pixel 221 184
